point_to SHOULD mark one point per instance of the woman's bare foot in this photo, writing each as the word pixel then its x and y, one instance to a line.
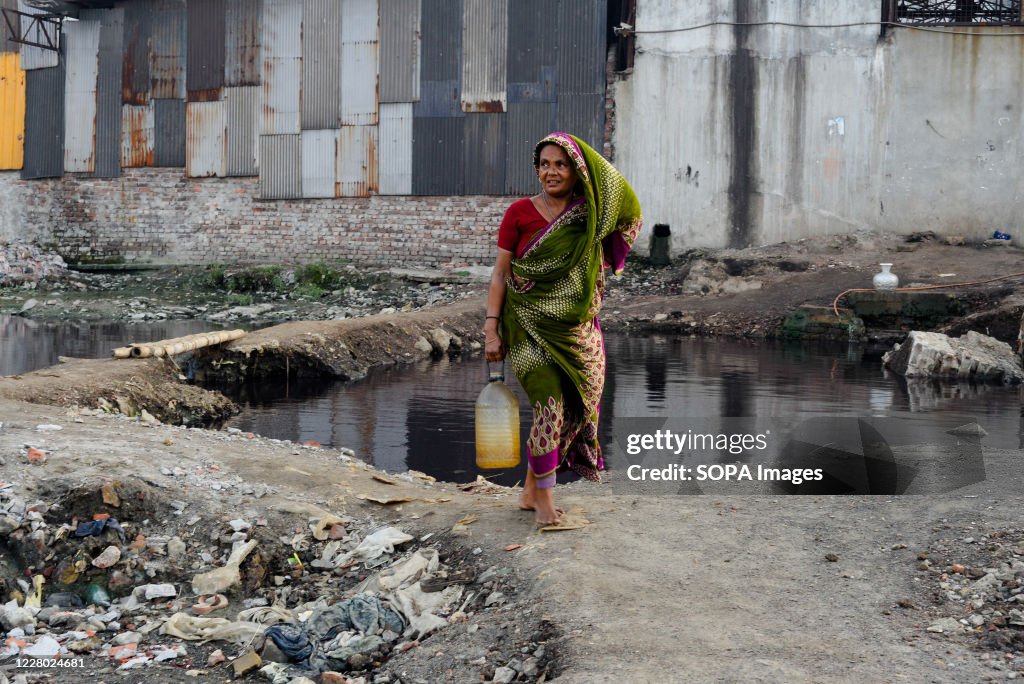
pixel 529 495
pixel 544 505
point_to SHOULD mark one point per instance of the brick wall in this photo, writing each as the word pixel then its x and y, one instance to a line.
pixel 159 216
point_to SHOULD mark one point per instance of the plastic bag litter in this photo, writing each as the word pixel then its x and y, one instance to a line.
pixel 420 607
pixel 321 526
pixel 185 626
pixel 363 613
pixel 266 615
pixel 94 527
pixel 219 580
pixel 334 655
pixel 380 542
pixel 424 561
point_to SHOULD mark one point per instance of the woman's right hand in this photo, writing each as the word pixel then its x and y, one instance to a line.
pixel 494 349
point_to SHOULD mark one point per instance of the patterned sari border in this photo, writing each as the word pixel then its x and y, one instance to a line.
pixel 543 232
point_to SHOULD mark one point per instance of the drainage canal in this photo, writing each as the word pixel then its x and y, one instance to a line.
pixel 421 416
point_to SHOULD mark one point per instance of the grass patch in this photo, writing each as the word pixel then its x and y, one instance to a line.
pixel 321 275
pixel 253 279
pixel 307 291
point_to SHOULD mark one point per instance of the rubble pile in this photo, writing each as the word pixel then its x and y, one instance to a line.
pixel 976 582
pixel 119 575
pixel 27 264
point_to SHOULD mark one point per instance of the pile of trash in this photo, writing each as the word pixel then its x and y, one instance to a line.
pixel 338 596
pixel 26 264
pixel 978 582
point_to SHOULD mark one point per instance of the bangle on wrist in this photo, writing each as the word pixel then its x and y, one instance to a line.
pixel 497 318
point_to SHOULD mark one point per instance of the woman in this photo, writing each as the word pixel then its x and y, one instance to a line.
pixel 546 290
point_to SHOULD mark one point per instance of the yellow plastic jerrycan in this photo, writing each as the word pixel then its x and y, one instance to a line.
pixel 497 424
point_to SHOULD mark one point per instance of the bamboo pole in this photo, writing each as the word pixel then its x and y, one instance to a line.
pixel 177 345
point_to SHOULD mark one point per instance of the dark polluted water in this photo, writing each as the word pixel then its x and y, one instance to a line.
pixel 420 416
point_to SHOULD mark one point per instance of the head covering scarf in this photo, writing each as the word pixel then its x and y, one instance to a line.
pixel 552 300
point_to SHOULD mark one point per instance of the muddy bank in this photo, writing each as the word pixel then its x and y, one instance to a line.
pixel 344 350
pixel 125 386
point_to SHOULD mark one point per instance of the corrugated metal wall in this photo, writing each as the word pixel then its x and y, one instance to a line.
pixel 321 65
pixel 527 123
pixel 137 135
pixel 44 123
pixel 206 139
pixel 282 66
pixel 169 129
pixel 484 150
pixel 12 111
pixel 399 51
pixel 34 57
pixel 484 55
pixel 437 156
pixel 319 158
pixel 357 161
pixel 168 49
pixel 82 40
pixel 7 45
pixel 244 117
pixel 395 148
pixel 347 97
pixel 135 76
pixel 359 43
pixel 243 60
pixel 204 64
pixel 108 91
pixel 280 166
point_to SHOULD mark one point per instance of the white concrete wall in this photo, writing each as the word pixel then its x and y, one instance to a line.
pixel 754 135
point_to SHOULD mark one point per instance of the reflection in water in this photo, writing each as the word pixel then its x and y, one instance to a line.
pixel 27 344
pixel 421 417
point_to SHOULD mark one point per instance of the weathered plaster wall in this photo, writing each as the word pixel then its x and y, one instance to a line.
pixel 158 216
pixel 738 135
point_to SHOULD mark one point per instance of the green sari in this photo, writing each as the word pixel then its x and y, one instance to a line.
pixel 552 300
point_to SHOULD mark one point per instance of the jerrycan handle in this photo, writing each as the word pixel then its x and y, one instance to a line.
pixel 496 376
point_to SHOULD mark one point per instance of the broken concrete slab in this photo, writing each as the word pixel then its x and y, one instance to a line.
pixel 973 356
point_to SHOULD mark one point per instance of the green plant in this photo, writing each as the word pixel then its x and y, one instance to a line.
pixel 215 277
pixel 256 279
pixel 319 274
pixel 308 291
pixel 239 299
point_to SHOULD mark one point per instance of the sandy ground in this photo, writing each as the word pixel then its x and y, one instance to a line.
pixel 710 588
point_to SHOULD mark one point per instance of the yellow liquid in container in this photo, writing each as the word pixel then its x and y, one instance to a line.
pixel 497 426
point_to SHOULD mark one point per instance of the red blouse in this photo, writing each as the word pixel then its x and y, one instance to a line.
pixel 522 221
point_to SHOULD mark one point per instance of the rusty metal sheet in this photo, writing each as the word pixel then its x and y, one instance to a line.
pixel 280 166
pixel 319 159
pixel 108 91
pixel 82 43
pixel 532 40
pixel 244 116
pixel 169 124
pixel 282 68
pixel 484 149
pixel 167 50
pixel 395 145
pixel 35 57
pixel 321 66
pixel 206 139
pixel 359 44
pixel 357 161
pixel 137 139
pixel 243 62
pixel 44 123
pixel 135 77
pixel 581 46
pixel 12 111
pixel 399 51
pixel 526 124
pixel 437 156
pixel 484 54
pixel 204 64
pixel 583 116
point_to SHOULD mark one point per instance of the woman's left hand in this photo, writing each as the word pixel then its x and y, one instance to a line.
pixel 494 348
